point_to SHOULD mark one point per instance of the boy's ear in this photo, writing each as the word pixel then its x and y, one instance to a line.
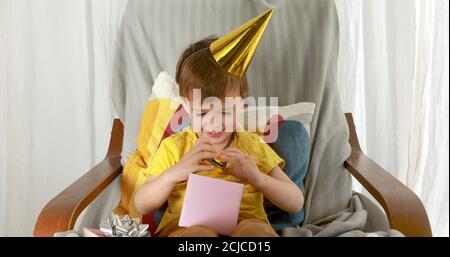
pixel 186 105
pixel 239 104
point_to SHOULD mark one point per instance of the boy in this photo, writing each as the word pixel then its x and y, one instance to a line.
pixel 250 161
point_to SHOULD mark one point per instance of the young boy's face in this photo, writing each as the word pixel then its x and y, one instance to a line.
pixel 215 119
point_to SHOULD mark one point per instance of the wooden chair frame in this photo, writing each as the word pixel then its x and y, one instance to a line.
pixel 404 210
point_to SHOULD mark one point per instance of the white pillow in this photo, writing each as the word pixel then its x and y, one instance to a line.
pixel 164 87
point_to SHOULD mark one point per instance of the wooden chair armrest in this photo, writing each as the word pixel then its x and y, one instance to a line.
pixel 62 211
pixel 404 209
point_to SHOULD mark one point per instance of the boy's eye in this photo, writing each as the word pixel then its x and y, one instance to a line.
pixel 204 113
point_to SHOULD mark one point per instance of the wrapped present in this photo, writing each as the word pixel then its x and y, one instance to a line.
pixel 91 232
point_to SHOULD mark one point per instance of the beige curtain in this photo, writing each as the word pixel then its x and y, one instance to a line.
pixel 55 110
pixel 393 76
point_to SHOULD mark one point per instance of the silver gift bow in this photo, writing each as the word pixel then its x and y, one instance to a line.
pixel 123 227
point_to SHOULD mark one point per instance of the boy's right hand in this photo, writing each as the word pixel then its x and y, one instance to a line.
pixel 190 162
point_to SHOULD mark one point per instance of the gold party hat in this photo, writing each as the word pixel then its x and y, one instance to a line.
pixel 234 51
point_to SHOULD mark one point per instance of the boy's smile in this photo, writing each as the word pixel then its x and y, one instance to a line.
pixel 215 119
pixel 214 134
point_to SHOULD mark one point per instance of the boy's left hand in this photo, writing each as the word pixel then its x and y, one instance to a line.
pixel 244 166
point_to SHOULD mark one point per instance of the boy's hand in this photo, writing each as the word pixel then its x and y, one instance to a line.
pixel 190 162
pixel 244 166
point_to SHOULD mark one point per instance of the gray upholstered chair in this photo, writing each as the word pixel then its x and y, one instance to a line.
pixel 296 61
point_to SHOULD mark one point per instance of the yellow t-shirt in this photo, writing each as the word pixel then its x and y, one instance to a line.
pixel 172 150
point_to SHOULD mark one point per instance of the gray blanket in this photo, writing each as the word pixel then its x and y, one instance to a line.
pixel 351 222
pixel 295 61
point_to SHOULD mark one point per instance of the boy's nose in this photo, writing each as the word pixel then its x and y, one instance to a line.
pixel 214 128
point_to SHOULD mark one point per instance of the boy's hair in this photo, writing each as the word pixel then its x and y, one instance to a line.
pixel 197 68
